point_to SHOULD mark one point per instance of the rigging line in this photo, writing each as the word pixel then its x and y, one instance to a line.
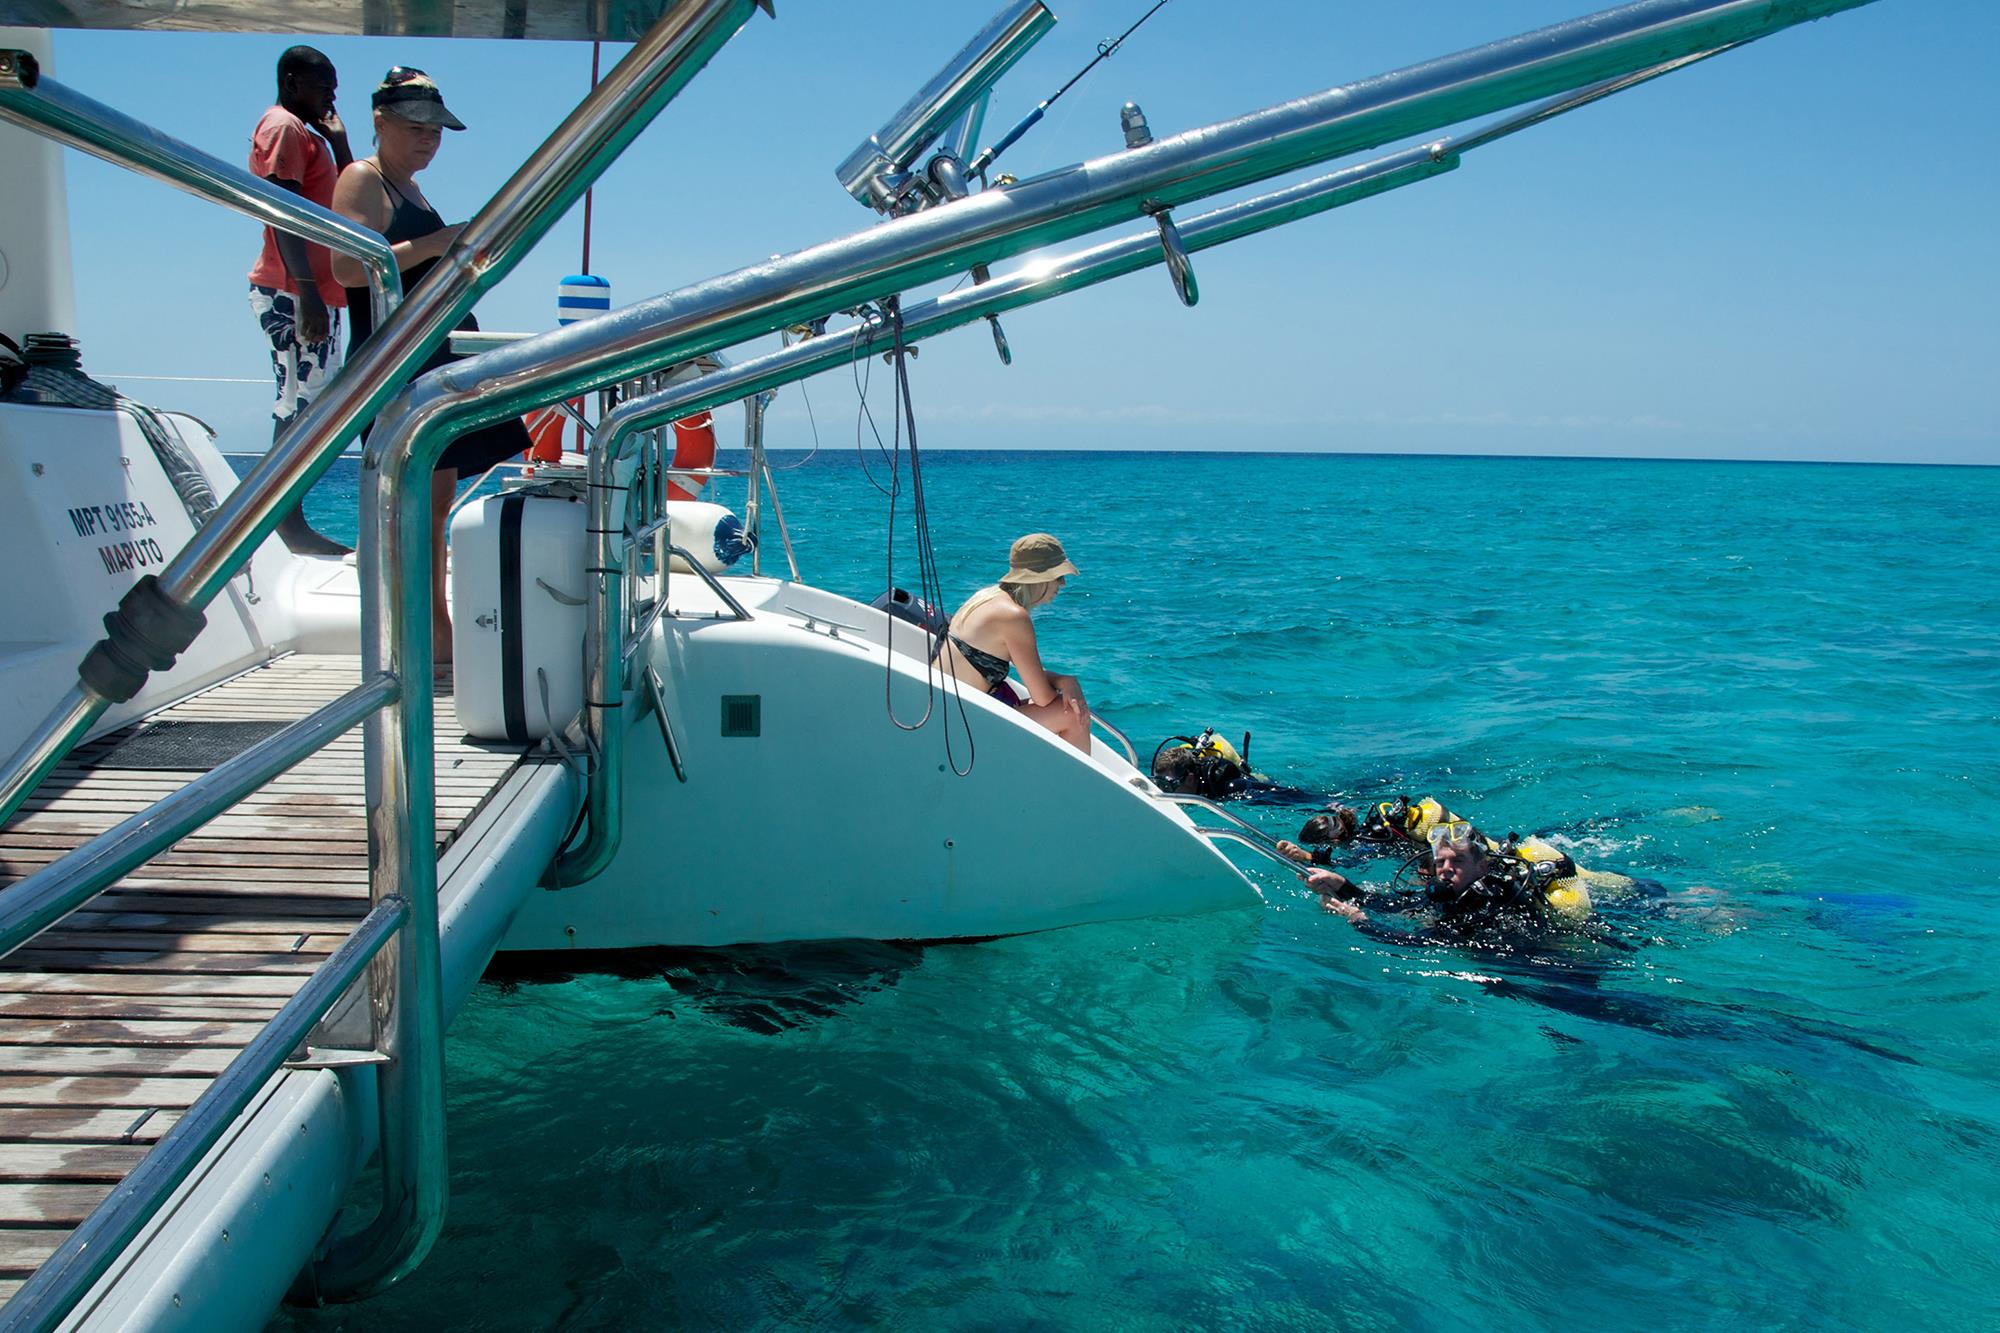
pixel 596 48
pixel 184 379
pixel 932 581
pixel 812 421
pixel 865 415
pixel 938 680
pixel 892 308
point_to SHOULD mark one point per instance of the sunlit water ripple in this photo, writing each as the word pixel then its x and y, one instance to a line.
pixel 1777 682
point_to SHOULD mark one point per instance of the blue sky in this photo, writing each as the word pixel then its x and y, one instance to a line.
pixel 1786 252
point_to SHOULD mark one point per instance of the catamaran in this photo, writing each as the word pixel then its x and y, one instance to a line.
pixel 256 855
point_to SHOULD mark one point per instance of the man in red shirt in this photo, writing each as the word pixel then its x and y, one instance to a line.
pixel 302 145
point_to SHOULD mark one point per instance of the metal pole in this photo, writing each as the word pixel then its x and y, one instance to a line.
pixel 1257 845
pixel 395 560
pixel 603 666
pixel 34 904
pixel 1215 808
pixel 47 1297
pixel 753 440
pixel 588 140
pixel 784 533
pixel 56 112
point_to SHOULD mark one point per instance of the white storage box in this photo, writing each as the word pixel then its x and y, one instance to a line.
pixel 517 613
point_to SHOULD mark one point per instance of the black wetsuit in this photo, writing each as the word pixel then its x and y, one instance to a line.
pixel 476 450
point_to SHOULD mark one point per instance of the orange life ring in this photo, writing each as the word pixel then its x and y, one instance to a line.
pixel 545 428
pixel 694 447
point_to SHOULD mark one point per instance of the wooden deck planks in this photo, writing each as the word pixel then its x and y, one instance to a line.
pixel 43 1124
pixel 115 1021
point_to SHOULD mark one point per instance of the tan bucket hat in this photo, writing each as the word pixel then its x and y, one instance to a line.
pixel 1037 558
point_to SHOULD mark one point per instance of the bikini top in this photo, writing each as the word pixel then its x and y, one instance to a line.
pixel 992 668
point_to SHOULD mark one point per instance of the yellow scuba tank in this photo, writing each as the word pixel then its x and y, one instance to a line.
pixel 1412 819
pixel 1223 750
pixel 1568 896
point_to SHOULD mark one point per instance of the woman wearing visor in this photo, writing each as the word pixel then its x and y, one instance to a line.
pixel 382 192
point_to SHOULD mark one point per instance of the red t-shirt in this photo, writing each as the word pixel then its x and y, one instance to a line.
pixel 285 147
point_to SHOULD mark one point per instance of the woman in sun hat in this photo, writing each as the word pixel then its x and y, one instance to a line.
pixel 382 192
pixel 993 631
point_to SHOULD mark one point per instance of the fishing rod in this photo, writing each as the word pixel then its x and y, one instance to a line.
pixel 1105 50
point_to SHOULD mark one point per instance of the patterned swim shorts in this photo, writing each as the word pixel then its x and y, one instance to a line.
pixel 301 368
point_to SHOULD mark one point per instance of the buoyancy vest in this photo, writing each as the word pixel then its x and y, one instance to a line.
pixel 1404 820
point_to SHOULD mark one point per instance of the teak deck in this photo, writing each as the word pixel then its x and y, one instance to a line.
pixel 113 1021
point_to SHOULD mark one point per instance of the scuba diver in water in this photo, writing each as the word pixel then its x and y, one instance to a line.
pixel 1469 879
pixel 1208 765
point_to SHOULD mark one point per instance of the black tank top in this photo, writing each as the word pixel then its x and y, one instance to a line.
pixel 408 221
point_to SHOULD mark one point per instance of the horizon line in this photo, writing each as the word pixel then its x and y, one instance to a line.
pixel 1337 453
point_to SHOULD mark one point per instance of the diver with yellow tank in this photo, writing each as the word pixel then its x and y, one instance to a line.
pixel 1208 765
pixel 1468 877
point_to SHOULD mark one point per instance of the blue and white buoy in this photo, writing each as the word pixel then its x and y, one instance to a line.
pixel 581 296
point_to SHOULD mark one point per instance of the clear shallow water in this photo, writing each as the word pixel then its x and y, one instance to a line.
pixel 1780 682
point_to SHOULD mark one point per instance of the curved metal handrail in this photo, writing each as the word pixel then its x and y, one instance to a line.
pixel 520 212
pixel 1124 741
pixel 1214 808
pixel 714 584
pixel 60 113
pixel 1231 835
pixel 66 1277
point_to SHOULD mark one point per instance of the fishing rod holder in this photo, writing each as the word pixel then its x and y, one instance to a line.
pixel 1000 343
pixel 1180 268
pixel 881 172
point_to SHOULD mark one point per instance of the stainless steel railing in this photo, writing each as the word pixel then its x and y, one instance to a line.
pixel 1240 831
pixel 34 904
pixel 614 561
pixel 402 925
pixel 1124 741
pixel 487 248
pixel 52 1292
pixel 1245 840
pixel 38 103
pixel 1112 259
pixel 1241 825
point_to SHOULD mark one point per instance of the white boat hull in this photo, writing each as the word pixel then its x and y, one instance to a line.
pixel 834 822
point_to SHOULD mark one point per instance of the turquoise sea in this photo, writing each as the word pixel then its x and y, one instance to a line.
pixel 1770 1106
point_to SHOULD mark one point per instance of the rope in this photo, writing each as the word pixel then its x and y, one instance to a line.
pixel 930 586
